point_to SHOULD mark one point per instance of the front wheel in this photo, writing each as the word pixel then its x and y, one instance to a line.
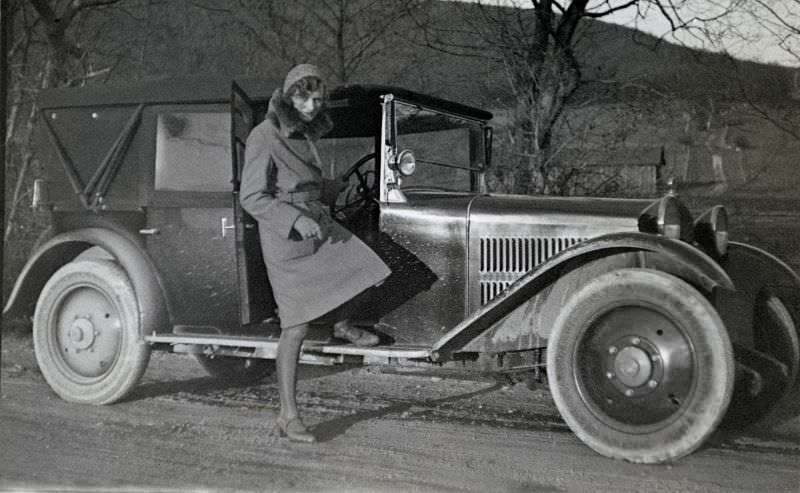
pixel 640 366
pixel 86 333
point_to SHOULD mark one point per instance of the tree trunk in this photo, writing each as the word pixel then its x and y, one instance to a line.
pixel 26 155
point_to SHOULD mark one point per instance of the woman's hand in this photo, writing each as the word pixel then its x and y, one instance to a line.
pixel 308 228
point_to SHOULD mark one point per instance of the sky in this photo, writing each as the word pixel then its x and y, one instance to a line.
pixel 744 36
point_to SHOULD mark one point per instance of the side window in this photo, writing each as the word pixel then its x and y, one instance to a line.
pixel 193 152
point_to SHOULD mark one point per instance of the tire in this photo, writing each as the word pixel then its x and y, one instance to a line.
pixel 640 366
pixel 236 370
pixel 86 333
pixel 776 335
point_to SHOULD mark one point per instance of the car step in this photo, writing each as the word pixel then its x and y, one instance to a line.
pixel 266 347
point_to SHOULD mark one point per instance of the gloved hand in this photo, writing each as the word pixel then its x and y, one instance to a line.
pixel 308 228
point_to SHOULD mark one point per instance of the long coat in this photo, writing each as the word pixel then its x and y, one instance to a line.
pixel 281 181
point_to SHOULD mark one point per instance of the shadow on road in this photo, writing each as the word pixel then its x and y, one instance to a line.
pixel 209 384
pixel 200 385
pixel 329 430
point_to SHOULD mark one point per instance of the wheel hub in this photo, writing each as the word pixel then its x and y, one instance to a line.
pixel 82 333
pixel 635 367
pixel 632 366
pixel 89 332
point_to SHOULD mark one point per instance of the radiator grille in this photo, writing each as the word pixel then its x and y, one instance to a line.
pixel 505 259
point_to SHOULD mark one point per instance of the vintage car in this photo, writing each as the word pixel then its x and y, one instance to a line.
pixel 649 324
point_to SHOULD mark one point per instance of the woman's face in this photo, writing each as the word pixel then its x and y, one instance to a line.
pixel 308 106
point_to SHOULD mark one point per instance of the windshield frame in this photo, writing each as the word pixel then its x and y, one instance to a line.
pixel 389 178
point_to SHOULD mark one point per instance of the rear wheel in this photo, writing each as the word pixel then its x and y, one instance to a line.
pixel 640 366
pixel 86 333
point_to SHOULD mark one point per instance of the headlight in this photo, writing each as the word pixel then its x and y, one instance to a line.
pixel 711 230
pixel 405 163
pixel 667 217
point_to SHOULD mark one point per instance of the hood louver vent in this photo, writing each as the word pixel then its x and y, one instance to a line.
pixel 505 259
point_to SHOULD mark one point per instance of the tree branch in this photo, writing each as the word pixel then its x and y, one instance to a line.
pixel 610 10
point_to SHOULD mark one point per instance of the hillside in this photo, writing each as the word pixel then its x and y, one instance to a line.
pixel 155 39
pixel 617 63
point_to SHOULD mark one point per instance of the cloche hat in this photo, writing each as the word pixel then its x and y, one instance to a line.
pixel 300 71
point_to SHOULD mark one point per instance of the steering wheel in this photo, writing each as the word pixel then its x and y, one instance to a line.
pixel 363 190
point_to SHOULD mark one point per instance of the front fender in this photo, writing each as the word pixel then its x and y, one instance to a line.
pixel 750 267
pixel 63 248
pixel 499 330
pixel 675 257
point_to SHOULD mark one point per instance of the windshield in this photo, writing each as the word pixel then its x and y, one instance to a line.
pixel 449 150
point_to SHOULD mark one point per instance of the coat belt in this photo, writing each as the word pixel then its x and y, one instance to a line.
pixel 305 196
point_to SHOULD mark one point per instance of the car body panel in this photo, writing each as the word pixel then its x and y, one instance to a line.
pixel 68 131
pixel 424 244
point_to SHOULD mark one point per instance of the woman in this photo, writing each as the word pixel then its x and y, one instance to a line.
pixel 313 263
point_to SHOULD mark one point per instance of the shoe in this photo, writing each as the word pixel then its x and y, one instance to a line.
pixel 294 429
pixel 359 337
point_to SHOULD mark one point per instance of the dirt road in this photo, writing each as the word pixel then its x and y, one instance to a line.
pixel 182 431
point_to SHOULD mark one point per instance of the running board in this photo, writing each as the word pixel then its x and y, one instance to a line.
pixel 314 352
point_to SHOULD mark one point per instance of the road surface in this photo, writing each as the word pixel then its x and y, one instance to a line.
pixel 379 431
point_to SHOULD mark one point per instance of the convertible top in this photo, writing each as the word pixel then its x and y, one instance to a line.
pixel 218 90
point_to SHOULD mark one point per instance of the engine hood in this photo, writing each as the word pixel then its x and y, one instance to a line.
pixel 524 215
pixel 583 216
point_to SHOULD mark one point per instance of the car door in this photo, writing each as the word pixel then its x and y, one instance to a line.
pixel 189 228
pixel 255 292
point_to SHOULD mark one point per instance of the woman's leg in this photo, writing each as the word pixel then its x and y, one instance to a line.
pixel 288 421
pixel 286 369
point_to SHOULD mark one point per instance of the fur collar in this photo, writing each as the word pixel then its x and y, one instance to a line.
pixel 289 123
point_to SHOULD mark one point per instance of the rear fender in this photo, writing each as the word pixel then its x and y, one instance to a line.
pixel 65 247
pixel 520 317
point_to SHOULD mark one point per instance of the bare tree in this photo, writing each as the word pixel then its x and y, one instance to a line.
pixel 535 44
pixel 4 38
pixel 345 37
pixel 55 19
pixel 766 95
pixel 773 23
pixel 45 51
